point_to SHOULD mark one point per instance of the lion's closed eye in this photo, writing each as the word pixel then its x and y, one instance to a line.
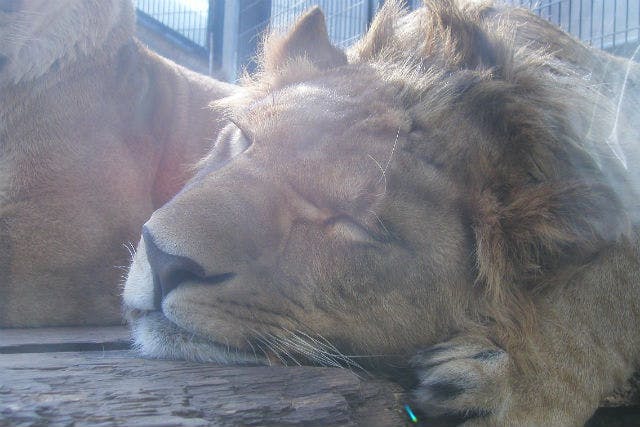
pixel 231 142
pixel 235 142
pixel 347 228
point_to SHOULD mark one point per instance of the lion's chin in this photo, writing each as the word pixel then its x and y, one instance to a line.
pixel 155 336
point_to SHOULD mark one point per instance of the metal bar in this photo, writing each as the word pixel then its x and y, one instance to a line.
pixel 580 20
pixel 615 18
pixel 626 24
pixel 591 24
pixel 560 13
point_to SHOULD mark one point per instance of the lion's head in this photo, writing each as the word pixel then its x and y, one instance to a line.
pixel 430 180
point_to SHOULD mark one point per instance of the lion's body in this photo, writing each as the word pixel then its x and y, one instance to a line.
pixel 95 133
pixel 459 192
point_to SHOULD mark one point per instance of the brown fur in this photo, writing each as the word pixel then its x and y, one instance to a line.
pixel 456 194
pixel 95 133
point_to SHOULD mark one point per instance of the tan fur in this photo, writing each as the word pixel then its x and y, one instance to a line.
pixel 456 197
pixel 95 133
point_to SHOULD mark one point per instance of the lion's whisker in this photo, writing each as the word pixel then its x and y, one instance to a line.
pixel 393 150
pixel 264 340
pixel 310 352
pixel 274 341
pixel 253 349
pixel 382 177
pixel 131 249
pixel 266 356
pixel 384 227
pixel 334 353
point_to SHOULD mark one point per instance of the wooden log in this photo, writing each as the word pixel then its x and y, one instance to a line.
pixel 118 388
pixel 41 384
pixel 64 339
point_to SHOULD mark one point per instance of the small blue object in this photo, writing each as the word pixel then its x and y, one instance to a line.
pixel 410 413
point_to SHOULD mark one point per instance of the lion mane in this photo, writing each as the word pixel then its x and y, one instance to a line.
pixel 550 192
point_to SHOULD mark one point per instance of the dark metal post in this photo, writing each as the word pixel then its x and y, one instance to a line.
pixel 215 31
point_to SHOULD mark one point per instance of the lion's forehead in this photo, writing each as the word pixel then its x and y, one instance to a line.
pixel 337 146
pixel 310 103
pixel 323 118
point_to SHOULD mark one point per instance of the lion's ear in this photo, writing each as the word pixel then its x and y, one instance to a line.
pixel 308 39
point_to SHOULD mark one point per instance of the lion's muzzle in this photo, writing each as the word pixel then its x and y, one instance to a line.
pixel 170 271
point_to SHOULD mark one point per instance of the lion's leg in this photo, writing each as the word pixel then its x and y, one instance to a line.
pixel 471 377
pixel 567 377
pixel 582 345
pixel 467 375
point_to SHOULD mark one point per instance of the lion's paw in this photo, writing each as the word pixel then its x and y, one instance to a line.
pixel 459 377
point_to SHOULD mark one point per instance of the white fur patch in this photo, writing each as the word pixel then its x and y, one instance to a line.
pixel 138 289
pixel 155 336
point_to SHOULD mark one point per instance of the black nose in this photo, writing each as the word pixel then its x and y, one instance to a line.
pixel 169 271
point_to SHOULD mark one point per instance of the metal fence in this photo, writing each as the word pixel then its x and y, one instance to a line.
pixel 187 18
pixel 346 20
pixel 607 24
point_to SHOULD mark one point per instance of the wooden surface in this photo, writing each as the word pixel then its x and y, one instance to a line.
pixel 42 384
pixel 63 339
pixel 115 387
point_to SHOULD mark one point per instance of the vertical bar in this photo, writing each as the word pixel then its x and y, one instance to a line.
pixel 602 28
pixel 626 24
pixel 560 13
pixel 580 20
pixel 177 13
pixel 615 19
pixel 176 17
pixel 338 18
pixel 172 17
pixel 210 20
pixel 165 15
pixel 570 17
pixel 371 12
pixel 341 16
pixel 591 24
pixel 191 27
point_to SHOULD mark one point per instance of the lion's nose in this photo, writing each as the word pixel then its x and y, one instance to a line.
pixel 169 271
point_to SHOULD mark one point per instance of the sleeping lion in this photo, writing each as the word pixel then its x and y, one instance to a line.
pixel 96 132
pixel 455 198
